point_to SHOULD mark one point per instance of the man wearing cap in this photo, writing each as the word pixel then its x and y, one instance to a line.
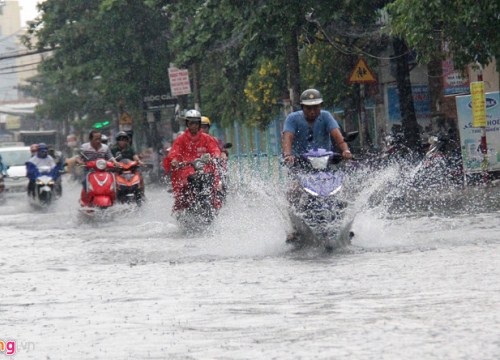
pixel 311 128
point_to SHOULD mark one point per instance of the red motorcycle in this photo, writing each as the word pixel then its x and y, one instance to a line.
pixel 101 186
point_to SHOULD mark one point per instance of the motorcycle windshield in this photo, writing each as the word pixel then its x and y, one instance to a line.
pixel 322 183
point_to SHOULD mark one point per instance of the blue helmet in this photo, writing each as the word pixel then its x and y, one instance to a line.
pixel 43 150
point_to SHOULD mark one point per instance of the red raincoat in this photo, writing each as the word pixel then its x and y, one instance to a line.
pixel 186 148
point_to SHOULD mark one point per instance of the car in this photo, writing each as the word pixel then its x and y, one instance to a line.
pixel 15 159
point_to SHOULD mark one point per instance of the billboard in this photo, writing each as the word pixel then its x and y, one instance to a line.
pixel 470 137
pixel 421 101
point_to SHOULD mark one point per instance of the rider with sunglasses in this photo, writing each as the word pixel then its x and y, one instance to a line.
pixel 311 128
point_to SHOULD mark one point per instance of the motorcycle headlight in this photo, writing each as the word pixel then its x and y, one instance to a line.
pixel 101 164
pixel 51 182
pixel 309 191
pixel 335 191
pixel 39 182
pixel 319 163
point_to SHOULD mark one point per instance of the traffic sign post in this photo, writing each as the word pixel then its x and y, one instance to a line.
pixel 362 74
pixel 179 81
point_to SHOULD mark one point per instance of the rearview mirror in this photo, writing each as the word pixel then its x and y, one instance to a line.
pixel 350 136
pixel 228 145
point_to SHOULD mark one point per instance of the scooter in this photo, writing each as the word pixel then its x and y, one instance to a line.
pixel 199 197
pixel 101 187
pixel 130 186
pixel 317 204
pixel 44 181
pixel 441 166
pixel 2 189
pixel 222 168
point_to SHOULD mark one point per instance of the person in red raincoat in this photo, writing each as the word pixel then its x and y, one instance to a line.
pixel 190 145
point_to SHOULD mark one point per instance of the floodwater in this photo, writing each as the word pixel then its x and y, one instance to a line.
pixel 420 284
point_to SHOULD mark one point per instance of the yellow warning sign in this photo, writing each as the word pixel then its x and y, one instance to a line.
pixel 362 74
pixel 125 119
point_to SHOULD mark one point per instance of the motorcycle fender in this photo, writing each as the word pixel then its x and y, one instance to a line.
pixel 45 188
pixel 102 201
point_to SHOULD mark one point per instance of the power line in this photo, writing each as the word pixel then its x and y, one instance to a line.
pixel 16 72
pixel 27 53
pixel 22 65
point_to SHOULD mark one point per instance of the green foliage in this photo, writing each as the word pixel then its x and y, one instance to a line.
pixel 106 52
pixel 465 30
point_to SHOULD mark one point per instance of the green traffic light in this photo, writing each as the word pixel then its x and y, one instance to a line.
pixel 100 125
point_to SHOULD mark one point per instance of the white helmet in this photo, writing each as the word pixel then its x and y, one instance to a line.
pixel 193 115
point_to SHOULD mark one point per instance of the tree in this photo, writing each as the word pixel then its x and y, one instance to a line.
pixel 105 53
pixel 464 30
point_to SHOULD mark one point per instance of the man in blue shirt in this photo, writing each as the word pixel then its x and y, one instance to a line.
pixel 311 128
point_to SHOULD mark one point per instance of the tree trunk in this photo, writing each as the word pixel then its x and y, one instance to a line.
pixel 293 68
pixel 196 86
pixel 407 108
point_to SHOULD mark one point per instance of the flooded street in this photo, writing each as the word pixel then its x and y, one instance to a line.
pixel 414 286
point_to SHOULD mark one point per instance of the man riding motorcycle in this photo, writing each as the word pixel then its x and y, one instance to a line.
pixel 311 128
pixel 124 148
pixel 308 129
pixel 90 151
pixel 42 158
pixel 190 145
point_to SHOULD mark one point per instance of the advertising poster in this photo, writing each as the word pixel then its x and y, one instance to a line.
pixel 453 81
pixel 470 137
pixel 421 101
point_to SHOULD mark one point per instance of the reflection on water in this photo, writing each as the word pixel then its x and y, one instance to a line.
pixel 418 281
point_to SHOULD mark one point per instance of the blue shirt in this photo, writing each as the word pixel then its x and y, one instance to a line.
pixel 296 124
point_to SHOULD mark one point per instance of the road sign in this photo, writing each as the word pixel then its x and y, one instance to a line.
pixel 478 104
pixel 125 119
pixel 158 102
pixel 179 81
pixel 362 74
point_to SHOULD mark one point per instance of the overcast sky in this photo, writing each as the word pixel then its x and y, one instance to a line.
pixel 28 10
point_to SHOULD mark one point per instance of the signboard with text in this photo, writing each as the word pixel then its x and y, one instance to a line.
pixel 421 101
pixel 158 102
pixel 478 104
pixel 179 81
pixel 470 136
pixel 453 80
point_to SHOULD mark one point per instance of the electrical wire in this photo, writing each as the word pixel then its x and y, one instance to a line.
pixel 357 50
pixel 18 66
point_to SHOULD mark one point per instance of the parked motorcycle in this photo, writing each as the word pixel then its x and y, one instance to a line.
pixel 101 187
pixel 441 166
pixel 199 197
pixel 2 189
pixel 130 186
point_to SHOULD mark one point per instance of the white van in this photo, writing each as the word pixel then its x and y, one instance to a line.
pixel 15 159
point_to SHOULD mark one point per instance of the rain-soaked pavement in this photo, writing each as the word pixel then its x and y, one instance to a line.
pixel 419 285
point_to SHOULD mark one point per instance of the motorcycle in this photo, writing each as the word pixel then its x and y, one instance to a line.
pixel 2 189
pixel 441 166
pixel 129 184
pixel 45 179
pixel 223 172
pixel 101 187
pixel 199 197
pixel 317 206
